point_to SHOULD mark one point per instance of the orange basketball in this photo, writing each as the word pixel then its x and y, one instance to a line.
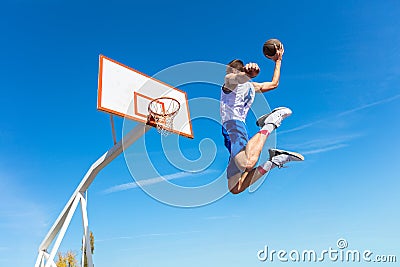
pixel 269 47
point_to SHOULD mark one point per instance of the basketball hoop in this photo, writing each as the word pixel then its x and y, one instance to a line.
pixel 162 112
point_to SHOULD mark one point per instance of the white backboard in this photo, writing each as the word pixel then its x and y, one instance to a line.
pixel 126 92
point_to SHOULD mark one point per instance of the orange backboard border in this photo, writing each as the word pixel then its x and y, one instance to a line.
pixel 144 120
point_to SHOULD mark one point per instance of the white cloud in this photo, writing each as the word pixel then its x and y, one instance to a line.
pixel 322 145
pixel 155 180
pixel 324 142
pixel 324 149
pixel 347 112
pixel 369 105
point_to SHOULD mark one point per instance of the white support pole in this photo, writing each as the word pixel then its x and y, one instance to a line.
pixel 63 220
pixel 62 231
pixel 83 239
pixel 86 236
pixel 46 257
pixel 83 253
pixel 39 260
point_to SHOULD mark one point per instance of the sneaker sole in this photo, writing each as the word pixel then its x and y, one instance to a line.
pixel 290 153
pixel 260 120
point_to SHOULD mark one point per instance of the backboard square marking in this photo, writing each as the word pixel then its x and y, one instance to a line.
pixel 139 98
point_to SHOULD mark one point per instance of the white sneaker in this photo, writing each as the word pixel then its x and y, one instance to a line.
pixel 281 157
pixel 275 117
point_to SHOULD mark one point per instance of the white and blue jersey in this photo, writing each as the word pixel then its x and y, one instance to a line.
pixel 235 104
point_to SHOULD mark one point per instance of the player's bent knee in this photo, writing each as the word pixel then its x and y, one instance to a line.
pixel 234 190
pixel 233 184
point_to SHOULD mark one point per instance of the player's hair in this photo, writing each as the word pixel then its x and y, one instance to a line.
pixel 235 64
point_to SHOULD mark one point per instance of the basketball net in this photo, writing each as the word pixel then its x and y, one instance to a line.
pixel 162 112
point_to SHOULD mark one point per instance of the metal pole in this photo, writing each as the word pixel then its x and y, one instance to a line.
pixel 113 129
pixel 63 220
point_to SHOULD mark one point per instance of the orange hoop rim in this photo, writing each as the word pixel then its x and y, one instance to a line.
pixel 169 114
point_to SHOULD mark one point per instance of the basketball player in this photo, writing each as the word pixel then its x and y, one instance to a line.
pixel 237 96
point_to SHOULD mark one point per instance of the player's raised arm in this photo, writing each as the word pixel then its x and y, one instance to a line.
pixel 267 86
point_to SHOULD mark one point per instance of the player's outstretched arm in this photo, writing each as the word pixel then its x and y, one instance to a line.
pixel 268 86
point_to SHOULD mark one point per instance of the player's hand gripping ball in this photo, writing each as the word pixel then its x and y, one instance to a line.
pixel 270 47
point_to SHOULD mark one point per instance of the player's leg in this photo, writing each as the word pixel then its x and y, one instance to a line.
pixel 247 158
pixel 235 139
pixel 240 182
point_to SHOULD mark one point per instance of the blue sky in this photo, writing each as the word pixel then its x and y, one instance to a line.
pixel 340 76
